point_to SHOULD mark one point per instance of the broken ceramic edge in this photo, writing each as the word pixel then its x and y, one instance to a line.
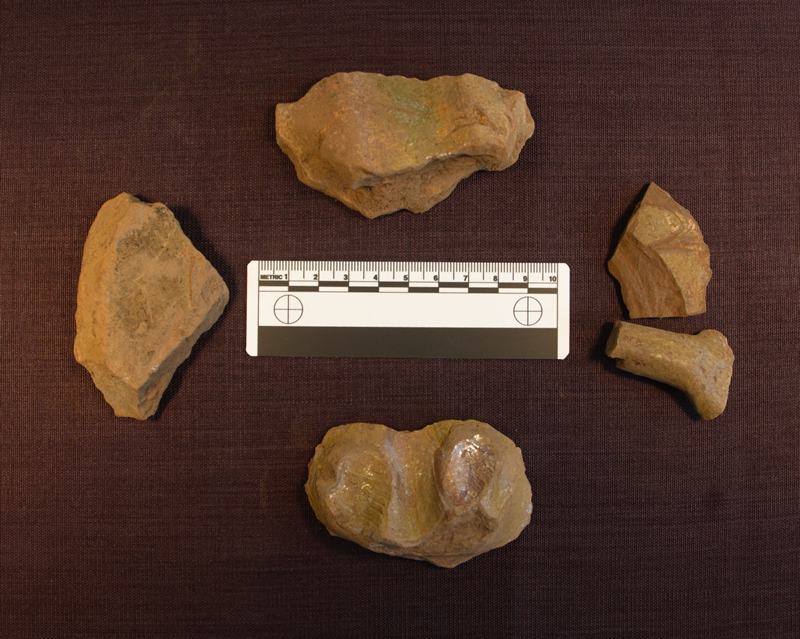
pixel 380 144
pixel 443 494
pixel 145 295
pixel 699 365
pixel 662 262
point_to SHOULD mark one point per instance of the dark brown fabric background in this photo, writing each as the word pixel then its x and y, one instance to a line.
pixel 647 521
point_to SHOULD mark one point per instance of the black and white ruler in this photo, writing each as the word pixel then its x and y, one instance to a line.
pixel 499 310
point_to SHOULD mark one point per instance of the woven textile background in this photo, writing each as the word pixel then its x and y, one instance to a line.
pixel 647 521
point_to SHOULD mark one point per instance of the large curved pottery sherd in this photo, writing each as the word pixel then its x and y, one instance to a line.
pixel 380 144
pixel 448 492
pixel 145 295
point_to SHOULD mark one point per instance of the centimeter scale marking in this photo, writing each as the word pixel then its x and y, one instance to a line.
pixel 498 310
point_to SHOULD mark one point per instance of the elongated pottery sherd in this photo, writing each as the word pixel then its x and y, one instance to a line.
pixel 700 365
pixel 380 144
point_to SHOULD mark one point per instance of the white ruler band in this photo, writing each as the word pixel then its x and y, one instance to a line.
pixel 408 309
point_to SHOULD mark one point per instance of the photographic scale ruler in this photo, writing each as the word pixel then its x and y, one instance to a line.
pixel 492 310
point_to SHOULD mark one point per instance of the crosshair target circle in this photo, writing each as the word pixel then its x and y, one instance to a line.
pixel 527 311
pixel 288 309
